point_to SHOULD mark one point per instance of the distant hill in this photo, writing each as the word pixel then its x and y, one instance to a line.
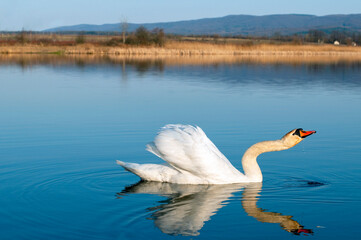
pixel 238 24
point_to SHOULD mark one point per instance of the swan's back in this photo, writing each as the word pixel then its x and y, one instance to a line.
pixel 189 150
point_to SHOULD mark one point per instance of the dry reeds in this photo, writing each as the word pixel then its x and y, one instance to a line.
pixel 176 48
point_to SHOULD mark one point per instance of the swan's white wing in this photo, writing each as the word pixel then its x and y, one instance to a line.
pixel 188 149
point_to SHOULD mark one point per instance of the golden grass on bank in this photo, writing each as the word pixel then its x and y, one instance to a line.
pixel 176 48
pixel 261 47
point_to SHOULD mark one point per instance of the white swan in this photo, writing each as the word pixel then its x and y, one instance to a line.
pixel 193 159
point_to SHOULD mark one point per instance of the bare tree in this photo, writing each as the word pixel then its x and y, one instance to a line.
pixel 315 35
pixel 124 27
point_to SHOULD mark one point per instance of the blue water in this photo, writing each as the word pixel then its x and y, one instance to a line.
pixel 62 127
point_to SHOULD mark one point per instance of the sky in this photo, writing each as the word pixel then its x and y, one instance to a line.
pixel 42 14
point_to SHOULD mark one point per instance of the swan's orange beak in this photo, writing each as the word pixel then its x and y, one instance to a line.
pixel 304 134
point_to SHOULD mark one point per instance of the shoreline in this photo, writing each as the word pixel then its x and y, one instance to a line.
pixel 186 49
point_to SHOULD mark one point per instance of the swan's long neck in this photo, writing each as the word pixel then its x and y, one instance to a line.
pixel 249 159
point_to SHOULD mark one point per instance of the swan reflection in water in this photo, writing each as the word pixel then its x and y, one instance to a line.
pixel 188 207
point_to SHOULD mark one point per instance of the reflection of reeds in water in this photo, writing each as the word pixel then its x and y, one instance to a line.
pixel 28 60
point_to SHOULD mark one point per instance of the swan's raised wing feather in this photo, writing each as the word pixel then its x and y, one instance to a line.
pixel 188 149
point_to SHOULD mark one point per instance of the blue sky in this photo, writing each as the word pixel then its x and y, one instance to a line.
pixel 42 14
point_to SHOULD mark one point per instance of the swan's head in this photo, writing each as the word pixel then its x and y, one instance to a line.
pixel 295 136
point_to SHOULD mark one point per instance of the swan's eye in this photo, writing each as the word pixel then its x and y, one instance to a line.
pixel 297 132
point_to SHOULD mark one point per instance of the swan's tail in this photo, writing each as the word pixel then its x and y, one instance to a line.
pixel 131 167
pixel 150 172
pixel 134 168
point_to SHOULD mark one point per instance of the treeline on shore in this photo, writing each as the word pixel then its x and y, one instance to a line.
pixel 157 37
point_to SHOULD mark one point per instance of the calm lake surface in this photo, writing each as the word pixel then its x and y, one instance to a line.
pixel 62 127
